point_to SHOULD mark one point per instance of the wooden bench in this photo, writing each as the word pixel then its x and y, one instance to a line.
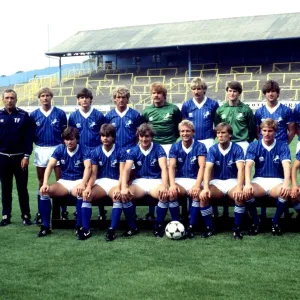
pixel 104 224
pixel 220 224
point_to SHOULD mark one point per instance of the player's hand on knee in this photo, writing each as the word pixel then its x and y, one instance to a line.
pixel 44 189
pixel 194 192
pixel 126 195
pixel 86 194
pixel 117 195
pixel 173 192
pixel 294 192
pixel 248 191
pixel 238 195
pixel 79 189
pixel 284 191
pixel 205 194
pixel 163 194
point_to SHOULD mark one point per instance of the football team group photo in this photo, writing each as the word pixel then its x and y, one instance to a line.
pixel 212 155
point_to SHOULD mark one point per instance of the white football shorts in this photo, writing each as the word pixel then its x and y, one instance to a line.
pixel 69 184
pixel 42 156
pixel 107 184
pixel 207 142
pixel 224 186
pixel 147 184
pixel 186 183
pixel 267 183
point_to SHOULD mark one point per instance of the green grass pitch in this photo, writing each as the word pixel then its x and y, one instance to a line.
pixel 142 267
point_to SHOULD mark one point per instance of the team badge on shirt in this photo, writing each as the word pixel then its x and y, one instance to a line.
pixel 153 162
pixel 128 123
pixel 114 163
pixel 151 119
pixel 276 159
pixel 54 122
pixel 78 163
pixel 167 116
pixel 62 161
pixel 193 160
pixel 217 163
pixel 92 124
pixel 230 163
pixel 38 124
pixel 78 125
pixel 206 114
pixel 261 158
pixel 139 163
pixel 100 163
pixel 239 116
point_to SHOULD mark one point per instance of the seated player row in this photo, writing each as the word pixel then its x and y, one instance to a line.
pixel 105 171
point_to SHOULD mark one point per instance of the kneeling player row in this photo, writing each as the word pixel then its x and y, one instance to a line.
pixel 107 171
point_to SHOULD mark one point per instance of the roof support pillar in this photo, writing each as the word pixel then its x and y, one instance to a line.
pixel 189 64
pixel 59 72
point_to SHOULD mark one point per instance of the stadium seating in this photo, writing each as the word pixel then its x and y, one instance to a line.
pixel 176 79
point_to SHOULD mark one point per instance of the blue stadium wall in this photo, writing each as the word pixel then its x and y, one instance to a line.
pixel 245 53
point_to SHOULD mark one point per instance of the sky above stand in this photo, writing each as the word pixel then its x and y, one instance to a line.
pixel 30 28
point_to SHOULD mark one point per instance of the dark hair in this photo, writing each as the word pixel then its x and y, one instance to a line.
pixel 235 85
pixel 85 93
pixel 108 130
pixel 10 91
pixel 45 90
pixel 70 133
pixel 222 125
pixel 270 85
pixel 144 129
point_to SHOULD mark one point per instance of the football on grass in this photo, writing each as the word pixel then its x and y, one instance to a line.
pixel 175 230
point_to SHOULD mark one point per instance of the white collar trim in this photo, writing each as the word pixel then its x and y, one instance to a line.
pixel 46 113
pixel 189 149
pixel 269 148
pixel 87 114
pixel 200 105
pixel 122 114
pixel 224 152
pixel 108 153
pixel 146 152
pixel 272 109
pixel 74 152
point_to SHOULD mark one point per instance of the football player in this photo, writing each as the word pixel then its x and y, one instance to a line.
pixel 125 119
pixel 224 175
pixel 49 122
pixel 278 112
pixel 108 161
pixel 150 163
pixel 164 118
pixel 75 166
pixel 272 161
pixel 201 111
pixel 186 170
pixel 88 121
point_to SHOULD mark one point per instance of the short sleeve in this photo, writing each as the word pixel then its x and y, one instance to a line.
pixel 161 152
pixel 173 151
pixel 201 149
pixel 211 156
pixel 251 153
